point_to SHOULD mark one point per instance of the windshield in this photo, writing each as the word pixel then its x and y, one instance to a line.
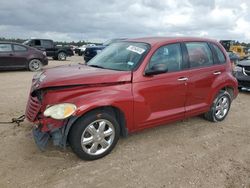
pixel 123 56
pixel 108 42
pixel 26 42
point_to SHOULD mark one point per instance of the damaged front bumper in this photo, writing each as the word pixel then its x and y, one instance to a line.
pixel 57 134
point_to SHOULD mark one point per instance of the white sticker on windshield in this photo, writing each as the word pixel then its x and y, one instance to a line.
pixel 135 49
pixel 130 63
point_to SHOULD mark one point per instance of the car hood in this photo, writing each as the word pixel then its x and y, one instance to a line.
pixel 96 47
pixel 76 75
pixel 244 63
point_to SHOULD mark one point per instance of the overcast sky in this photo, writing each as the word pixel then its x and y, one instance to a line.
pixel 64 20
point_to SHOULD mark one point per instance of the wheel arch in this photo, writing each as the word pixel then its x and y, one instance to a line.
pixel 61 50
pixel 210 115
pixel 119 115
pixel 229 89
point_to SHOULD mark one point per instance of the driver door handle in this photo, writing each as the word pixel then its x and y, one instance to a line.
pixel 183 79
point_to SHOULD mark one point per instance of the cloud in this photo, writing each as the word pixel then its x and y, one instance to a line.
pixel 87 20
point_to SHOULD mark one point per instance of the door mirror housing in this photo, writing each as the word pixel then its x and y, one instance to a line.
pixel 156 69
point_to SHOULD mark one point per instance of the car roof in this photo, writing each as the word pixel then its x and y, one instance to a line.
pixel 8 42
pixel 38 39
pixel 161 40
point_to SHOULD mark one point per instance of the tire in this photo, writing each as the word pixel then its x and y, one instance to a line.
pixel 92 128
pixel 35 65
pixel 62 56
pixel 220 107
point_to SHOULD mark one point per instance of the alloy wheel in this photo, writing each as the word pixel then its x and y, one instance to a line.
pixel 98 137
pixel 35 65
pixel 222 107
pixel 62 56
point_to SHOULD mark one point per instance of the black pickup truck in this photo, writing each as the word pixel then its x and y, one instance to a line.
pixel 56 52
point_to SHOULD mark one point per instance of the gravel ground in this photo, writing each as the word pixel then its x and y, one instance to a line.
pixel 189 153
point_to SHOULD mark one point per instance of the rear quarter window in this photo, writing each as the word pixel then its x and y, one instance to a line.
pixel 220 55
pixel 199 54
pixel 47 43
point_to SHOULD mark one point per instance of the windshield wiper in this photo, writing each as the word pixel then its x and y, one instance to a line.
pixel 97 66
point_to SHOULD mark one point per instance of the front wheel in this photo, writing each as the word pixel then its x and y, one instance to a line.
pixel 35 65
pixel 94 135
pixel 62 56
pixel 219 108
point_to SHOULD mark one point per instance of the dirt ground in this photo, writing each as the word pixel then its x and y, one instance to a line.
pixel 190 153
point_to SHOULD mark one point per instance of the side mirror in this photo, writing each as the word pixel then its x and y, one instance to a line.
pixel 156 69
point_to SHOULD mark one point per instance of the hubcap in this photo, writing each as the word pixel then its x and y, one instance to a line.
pixel 98 137
pixel 222 107
pixel 35 65
pixel 62 56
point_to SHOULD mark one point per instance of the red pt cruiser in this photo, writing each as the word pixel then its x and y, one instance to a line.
pixel 130 86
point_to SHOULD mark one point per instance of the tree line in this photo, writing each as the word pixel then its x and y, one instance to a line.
pixel 18 40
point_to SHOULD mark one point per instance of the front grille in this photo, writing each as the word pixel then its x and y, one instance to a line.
pixel 247 68
pixel 33 107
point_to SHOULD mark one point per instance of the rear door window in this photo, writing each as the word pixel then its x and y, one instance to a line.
pixel 199 54
pixel 5 48
pixel 18 48
pixel 47 43
pixel 169 55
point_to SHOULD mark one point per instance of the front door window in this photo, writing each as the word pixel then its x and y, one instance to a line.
pixel 169 56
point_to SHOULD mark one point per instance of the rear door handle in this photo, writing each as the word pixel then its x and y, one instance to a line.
pixel 11 55
pixel 217 73
pixel 183 79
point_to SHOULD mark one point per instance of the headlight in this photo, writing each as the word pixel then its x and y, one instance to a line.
pixel 60 111
pixel 44 53
pixel 39 76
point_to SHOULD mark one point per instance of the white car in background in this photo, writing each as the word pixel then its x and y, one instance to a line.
pixel 83 48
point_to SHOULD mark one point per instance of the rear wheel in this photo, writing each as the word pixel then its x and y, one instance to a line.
pixel 35 65
pixel 94 135
pixel 62 56
pixel 219 108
